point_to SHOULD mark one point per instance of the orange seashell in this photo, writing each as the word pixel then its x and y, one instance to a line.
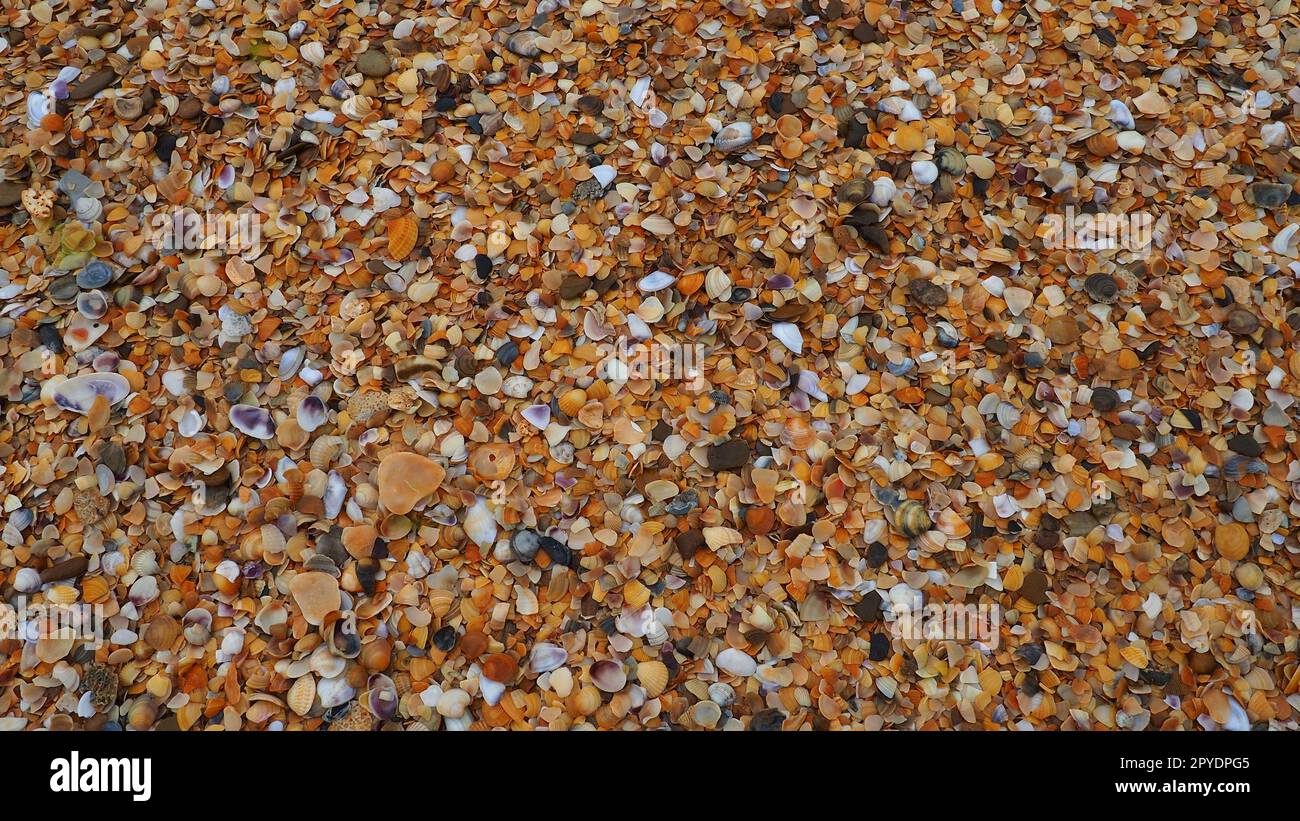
pixel 1102 145
pixel 491 463
pixel 571 401
pixel 653 676
pixel 440 602
pixel 61 594
pixel 95 589
pixel 500 667
pixel 690 283
pixel 798 434
pixel 402 233
pixel 1135 656
pixel 52 122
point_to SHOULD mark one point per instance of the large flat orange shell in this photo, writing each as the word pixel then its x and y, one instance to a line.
pixel 405 478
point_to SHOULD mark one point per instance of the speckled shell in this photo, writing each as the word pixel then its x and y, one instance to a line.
pixel 653 676
pixel 402 233
pixel 911 518
pixel 301 695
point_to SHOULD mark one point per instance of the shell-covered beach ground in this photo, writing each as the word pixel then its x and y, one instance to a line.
pixel 643 365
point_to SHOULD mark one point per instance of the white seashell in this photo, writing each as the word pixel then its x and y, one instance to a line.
pixel 253 421
pixel 336 491
pixel 88 209
pixel 334 691
pixel 480 525
pixel 453 702
pixel 546 657
pixel 290 361
pixel 191 422
pixel 736 662
pixel 78 393
pixel 734 136
pixel 313 52
pixel 38 105
pixel 1131 141
pixel 539 416
pixel 27 580
pixel 655 281
pixel 604 174
pixel 355 108
pixel 1285 239
pixel 924 172
pixel 311 413
pixel 789 335
pixel 492 691
pixel 882 194
pixel 1274 135
pixel 1121 116
pixel 382 199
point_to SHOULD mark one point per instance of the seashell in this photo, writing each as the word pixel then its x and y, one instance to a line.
pixel 92 304
pixel 271 618
pixel 27 580
pixel 144 562
pixel 62 594
pixel 539 416
pixel 311 413
pixel 500 667
pixel 406 478
pixel 290 435
pixel 736 662
pixel 911 518
pixel 853 191
pixel 798 434
pixel 325 450
pixel 951 161
pixel 1102 145
pixel 95 589
pixel 572 401
pixel 525 43
pixel 334 690
pixel 546 657
pixel 656 281
pixel 587 700
pixel 252 421
pixel 480 525
pixel 492 462
pixel 734 136
pixel 1241 322
pixel 789 335
pixel 402 233
pixel 381 696
pixel 440 602
pixel 290 361
pixel 162 633
pixel 355 108
pixel 653 676
pixel 197 626
pixel 377 655
pixel 143 714
pixel 301 695
pixel 78 394
pixel 96 274
pixel 1102 288
pixel 608 675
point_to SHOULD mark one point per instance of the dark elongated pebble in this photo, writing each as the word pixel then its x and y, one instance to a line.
pixel 66 569
pixel 92 84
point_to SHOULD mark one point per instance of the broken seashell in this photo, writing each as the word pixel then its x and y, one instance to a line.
pixel 78 394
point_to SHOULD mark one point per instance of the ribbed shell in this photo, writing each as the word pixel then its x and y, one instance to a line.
pixel 911 518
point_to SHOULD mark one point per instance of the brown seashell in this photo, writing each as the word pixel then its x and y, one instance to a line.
pixel 1102 145
pixel 359 540
pixel 395 527
pixel 493 462
pixel 500 667
pixel 571 401
pixel 302 695
pixel 291 436
pixel 653 676
pixel 162 632
pixel 406 478
pixel 62 594
pixel 293 486
pixel 911 518
pixel 377 655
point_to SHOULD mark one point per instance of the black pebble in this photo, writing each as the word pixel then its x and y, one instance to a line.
pixel 877 554
pixel 557 551
pixel 767 721
pixel 879 647
pixel 483 266
pixel 445 104
pixel 50 337
pixel 868 609
pixel 165 145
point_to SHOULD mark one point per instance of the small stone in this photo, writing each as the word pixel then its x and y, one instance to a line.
pixel 374 63
pixel 1246 445
pixel 730 455
pixel 91 84
pixel 1034 588
pixel 1268 195
pixel 868 608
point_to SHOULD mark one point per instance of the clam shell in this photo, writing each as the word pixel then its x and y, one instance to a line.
pixel 525 43
pixel 609 676
pixel 92 304
pixel 79 393
pixel 311 413
pixel 252 421
pixel 545 657
pixel 1102 145
pixel 911 518
pixel 290 361
pixel 653 676
pixel 480 525
pixel 734 136
pixel 571 401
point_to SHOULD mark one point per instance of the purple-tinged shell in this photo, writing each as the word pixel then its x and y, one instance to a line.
pixel 808 383
pixel 226 178
pixel 311 413
pixel 608 676
pixel 253 421
pixel 799 401
pixel 336 492
pixel 546 657
pixel 92 304
pixel 253 570
pixel 59 88
pixel 564 481
pixel 779 282
pixel 539 416
pixel 105 362
pixel 381 696
pixel 78 393
pixel 443 515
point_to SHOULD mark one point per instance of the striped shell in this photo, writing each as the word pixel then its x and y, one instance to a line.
pixel 653 676
pixel 440 602
pixel 301 695
pixel 1102 145
pixel 571 401
pixel 62 594
pixel 325 450
pixel 798 434
pixel 402 233
pixel 493 462
pixel 145 562
pixel 911 518
pixel 95 589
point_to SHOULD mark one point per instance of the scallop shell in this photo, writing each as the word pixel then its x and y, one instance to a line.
pixel 402 233
pixel 325 450
pixel 492 462
pixel 95 589
pixel 911 518
pixel 145 562
pixel 571 401
pixel 653 676
pixel 62 594
pixel 1102 145
pixel 80 392
pixel 301 695
pixel 440 602
pixel 798 434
